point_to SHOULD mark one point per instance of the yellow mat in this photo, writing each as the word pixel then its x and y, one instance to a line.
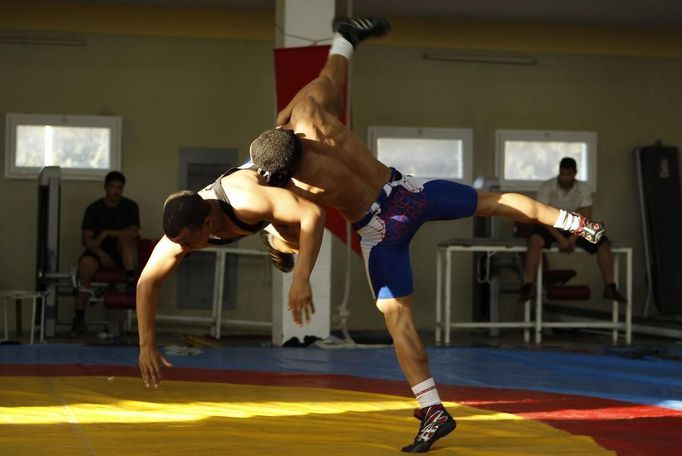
pixel 60 416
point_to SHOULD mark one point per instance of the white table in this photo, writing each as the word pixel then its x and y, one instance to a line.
pixel 216 318
pixel 493 246
pixel 6 297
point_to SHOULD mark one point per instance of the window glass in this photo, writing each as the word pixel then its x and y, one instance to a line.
pixel 443 153
pixel 525 158
pixel 85 147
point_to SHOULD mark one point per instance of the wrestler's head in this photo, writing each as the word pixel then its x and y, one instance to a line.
pixel 185 219
pixel 277 151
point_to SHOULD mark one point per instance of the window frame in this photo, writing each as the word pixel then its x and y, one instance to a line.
pixel 13 120
pixel 466 135
pixel 588 137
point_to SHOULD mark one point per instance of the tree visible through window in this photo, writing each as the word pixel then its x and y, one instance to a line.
pixel 68 147
pixel 539 160
pixel 83 146
pixel 441 153
pixel 525 158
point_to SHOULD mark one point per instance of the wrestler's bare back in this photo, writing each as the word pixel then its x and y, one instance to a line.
pixel 346 177
pixel 337 169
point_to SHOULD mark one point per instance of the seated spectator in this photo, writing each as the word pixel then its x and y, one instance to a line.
pixel 567 193
pixel 109 229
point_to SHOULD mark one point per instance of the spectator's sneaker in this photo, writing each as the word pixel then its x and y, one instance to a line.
pixel 356 29
pixel 282 261
pixel 591 231
pixel 527 292
pixel 612 294
pixel 436 423
pixel 104 335
pixel 78 328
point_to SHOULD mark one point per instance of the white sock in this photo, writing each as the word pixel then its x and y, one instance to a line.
pixel 341 46
pixel 566 221
pixel 426 393
pixel 560 219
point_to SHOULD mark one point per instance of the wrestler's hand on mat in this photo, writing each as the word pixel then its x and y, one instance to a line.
pixel 150 368
pixel 301 301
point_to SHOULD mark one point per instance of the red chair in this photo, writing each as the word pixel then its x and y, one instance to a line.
pixel 109 278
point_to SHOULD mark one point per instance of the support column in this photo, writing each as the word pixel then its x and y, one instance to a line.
pixel 304 23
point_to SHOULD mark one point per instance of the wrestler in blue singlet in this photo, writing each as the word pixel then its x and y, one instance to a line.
pixel 404 204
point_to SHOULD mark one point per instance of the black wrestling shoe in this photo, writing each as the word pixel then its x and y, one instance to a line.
pixel 356 29
pixel 282 261
pixel 436 423
pixel 591 231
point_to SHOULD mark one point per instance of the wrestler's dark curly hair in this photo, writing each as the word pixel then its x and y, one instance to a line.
pixel 277 151
pixel 184 209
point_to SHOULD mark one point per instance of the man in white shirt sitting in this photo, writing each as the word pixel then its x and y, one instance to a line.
pixel 568 193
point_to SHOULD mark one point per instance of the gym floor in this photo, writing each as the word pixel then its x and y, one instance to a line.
pixel 573 395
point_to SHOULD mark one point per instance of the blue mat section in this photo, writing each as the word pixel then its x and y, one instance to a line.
pixel 649 381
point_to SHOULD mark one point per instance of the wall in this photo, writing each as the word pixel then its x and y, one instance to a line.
pixel 178 85
pixel 628 101
pixel 169 92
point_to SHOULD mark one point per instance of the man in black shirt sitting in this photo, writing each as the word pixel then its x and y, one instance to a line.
pixel 109 229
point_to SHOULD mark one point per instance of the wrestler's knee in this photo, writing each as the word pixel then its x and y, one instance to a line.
pixel 397 313
pixel 487 203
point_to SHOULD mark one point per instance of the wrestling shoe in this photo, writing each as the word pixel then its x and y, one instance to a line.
pixel 436 423
pixel 356 29
pixel 591 231
pixel 282 261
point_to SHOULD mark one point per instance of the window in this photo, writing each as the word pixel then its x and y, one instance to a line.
pixel 526 158
pixel 85 147
pixel 443 153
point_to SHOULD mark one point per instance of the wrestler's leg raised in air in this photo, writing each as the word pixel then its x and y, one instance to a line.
pixel 527 210
pixel 327 89
pixel 447 200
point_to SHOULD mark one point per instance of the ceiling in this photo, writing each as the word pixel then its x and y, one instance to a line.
pixel 648 13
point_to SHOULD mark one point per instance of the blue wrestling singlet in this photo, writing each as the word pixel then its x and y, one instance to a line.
pixel 403 205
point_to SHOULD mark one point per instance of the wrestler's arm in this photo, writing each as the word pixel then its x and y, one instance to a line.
pixel 281 206
pixel 314 122
pixel 326 90
pixel 163 260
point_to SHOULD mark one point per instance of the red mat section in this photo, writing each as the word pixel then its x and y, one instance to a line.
pixel 628 429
